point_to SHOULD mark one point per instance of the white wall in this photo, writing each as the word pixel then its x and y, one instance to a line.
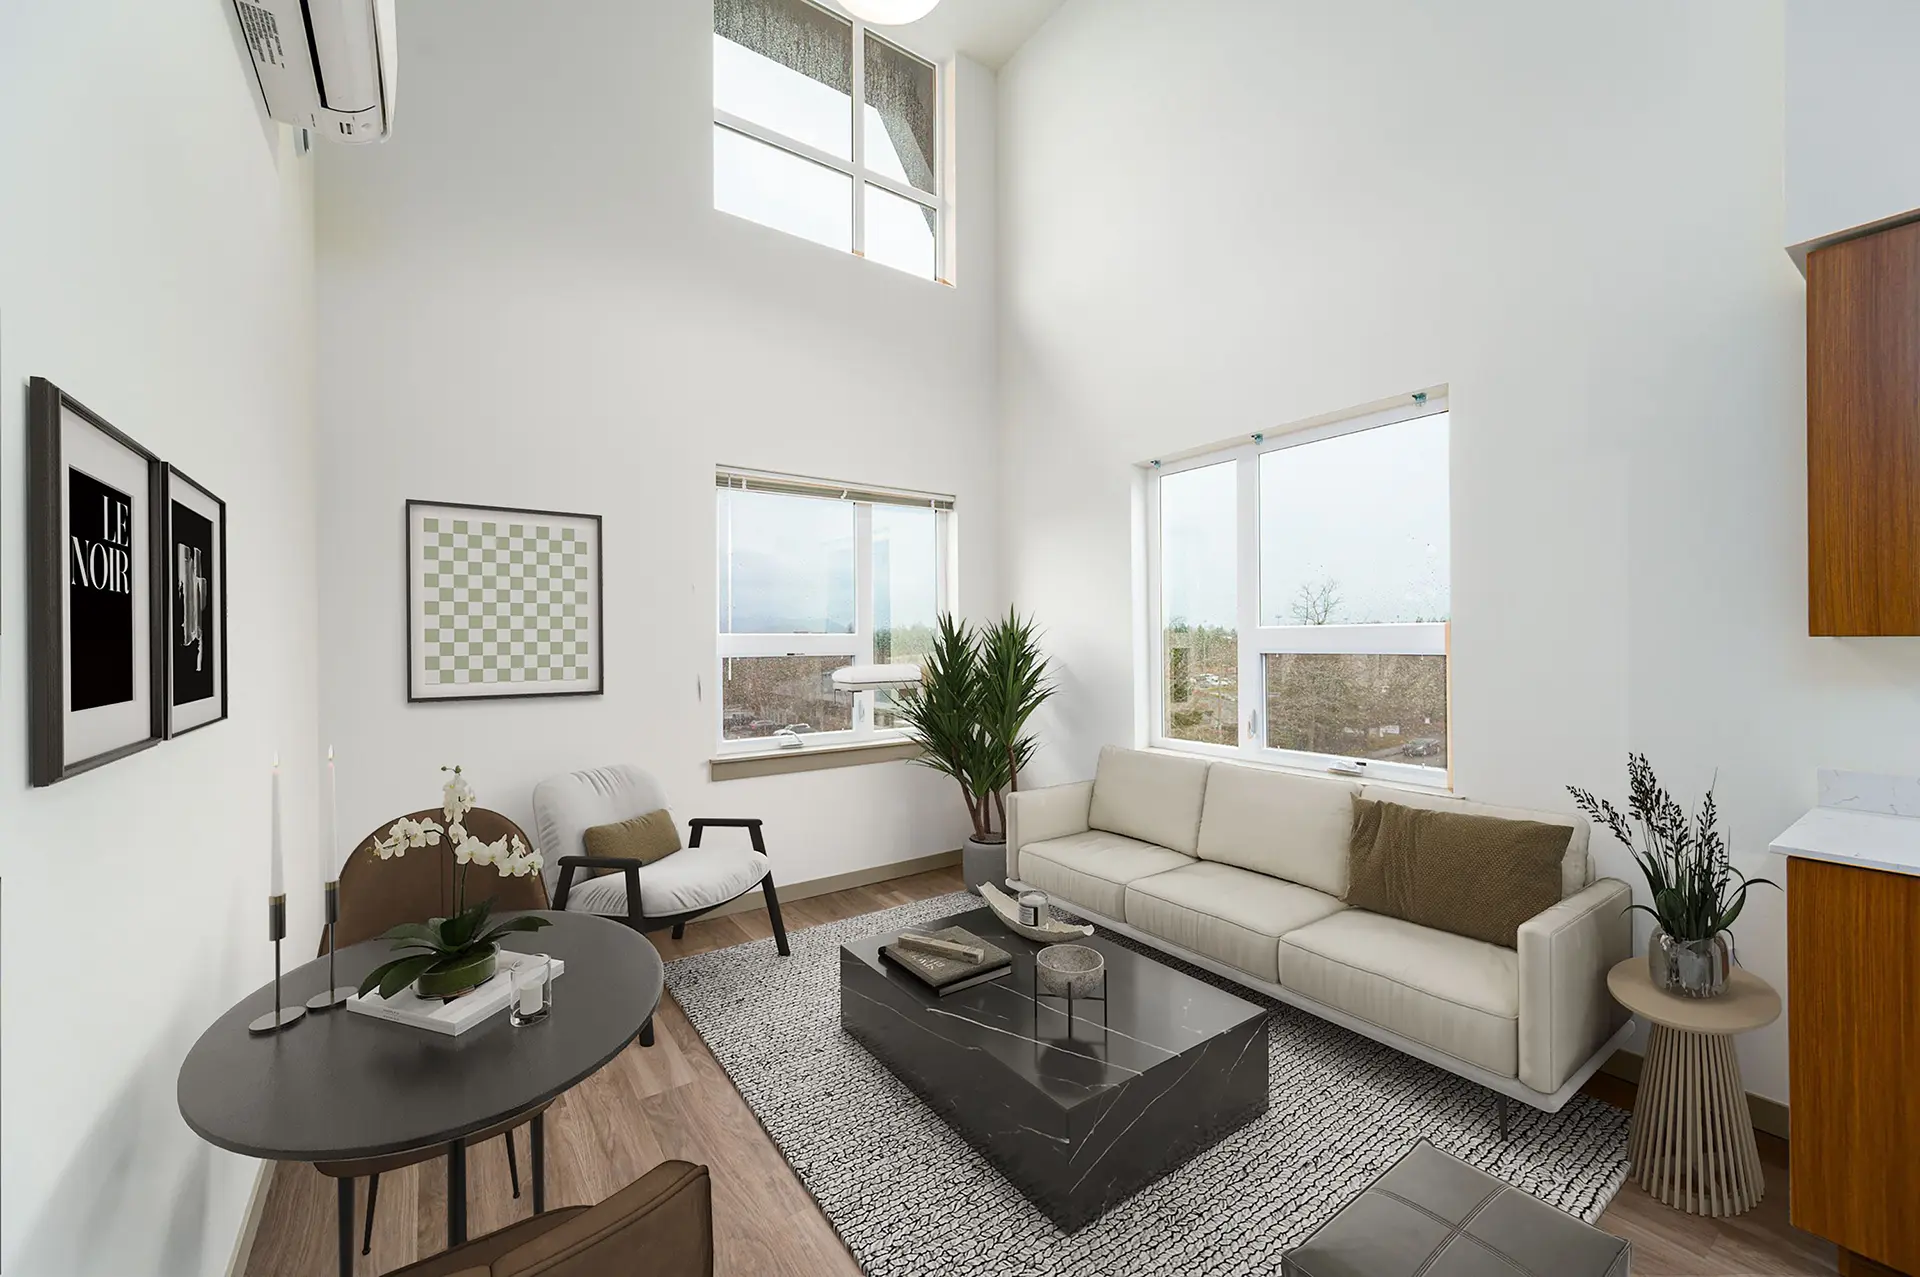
pixel 1573 216
pixel 527 299
pixel 1853 154
pixel 156 262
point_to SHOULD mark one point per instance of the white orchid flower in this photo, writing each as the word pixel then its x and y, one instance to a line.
pixel 456 833
pixel 457 795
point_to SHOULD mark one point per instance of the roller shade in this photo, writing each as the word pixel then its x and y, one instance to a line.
pixel 798 486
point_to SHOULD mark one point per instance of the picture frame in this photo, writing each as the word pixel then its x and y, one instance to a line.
pixel 502 602
pixel 196 586
pixel 96 674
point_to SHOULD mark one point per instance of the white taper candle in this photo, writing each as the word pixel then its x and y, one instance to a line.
pixel 278 884
pixel 330 848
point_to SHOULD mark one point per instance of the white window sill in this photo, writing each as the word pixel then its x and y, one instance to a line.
pixel 1444 785
pixel 780 762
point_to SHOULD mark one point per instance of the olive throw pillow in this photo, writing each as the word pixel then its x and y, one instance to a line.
pixel 646 839
pixel 1474 876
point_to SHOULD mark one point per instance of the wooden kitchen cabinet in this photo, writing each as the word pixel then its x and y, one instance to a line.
pixel 1863 435
pixel 1853 965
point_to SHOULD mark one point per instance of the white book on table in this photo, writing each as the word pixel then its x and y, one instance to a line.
pixel 455 1017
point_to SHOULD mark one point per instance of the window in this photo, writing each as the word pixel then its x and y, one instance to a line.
pixel 1302 596
pixel 791 152
pixel 814 577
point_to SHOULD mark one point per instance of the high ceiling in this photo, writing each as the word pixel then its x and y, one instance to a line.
pixel 988 31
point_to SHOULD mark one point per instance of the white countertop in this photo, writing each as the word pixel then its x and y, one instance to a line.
pixel 1866 839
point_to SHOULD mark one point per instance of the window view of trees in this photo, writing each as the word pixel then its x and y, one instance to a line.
pixel 1364 705
pixel 1203 683
pixel 763 695
pixel 1346 611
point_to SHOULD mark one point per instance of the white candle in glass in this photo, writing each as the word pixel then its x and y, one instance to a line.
pixel 278 885
pixel 330 848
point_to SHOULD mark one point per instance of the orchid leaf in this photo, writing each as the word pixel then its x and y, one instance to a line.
pixel 391 977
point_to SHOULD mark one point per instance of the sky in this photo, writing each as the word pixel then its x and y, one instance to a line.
pixel 787 565
pixel 778 189
pixel 1367 512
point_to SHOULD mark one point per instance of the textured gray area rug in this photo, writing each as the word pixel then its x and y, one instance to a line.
pixel 912 1199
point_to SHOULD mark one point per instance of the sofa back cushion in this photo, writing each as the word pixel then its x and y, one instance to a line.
pixel 1576 870
pixel 1475 876
pixel 1278 824
pixel 1154 798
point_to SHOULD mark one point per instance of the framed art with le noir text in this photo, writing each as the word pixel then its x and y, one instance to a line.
pixel 502 602
pixel 96 568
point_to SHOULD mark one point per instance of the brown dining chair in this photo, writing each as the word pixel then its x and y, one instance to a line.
pixel 376 895
pixel 660 1225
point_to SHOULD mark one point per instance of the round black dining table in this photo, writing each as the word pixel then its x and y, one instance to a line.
pixel 340 1085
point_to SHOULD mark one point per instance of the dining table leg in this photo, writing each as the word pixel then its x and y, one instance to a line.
pixel 343 1208
pixel 538 1138
pixel 456 1193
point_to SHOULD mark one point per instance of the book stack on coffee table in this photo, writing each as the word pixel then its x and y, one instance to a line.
pixel 948 960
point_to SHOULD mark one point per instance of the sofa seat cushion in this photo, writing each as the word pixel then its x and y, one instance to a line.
pixel 1453 994
pixel 1092 870
pixel 1229 914
pixel 693 878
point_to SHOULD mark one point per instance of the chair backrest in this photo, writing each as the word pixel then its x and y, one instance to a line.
pixel 565 807
pixel 377 894
pixel 660 1225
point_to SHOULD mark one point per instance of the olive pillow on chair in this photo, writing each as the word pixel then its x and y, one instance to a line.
pixel 1475 876
pixel 647 839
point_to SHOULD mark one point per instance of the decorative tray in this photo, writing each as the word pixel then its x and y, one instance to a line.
pixel 1048 932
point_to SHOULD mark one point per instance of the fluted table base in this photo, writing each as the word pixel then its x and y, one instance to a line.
pixel 1692 1146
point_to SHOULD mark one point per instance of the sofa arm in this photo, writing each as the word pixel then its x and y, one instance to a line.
pixel 1035 815
pixel 1566 1013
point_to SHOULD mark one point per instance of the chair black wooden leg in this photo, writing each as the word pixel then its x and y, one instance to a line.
pixel 344 1209
pixel 679 931
pixel 538 1138
pixel 773 912
pixel 373 1197
pixel 646 1032
pixel 1500 1115
pixel 456 1193
pixel 513 1164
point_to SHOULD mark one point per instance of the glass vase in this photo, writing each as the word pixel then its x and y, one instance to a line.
pixel 1691 968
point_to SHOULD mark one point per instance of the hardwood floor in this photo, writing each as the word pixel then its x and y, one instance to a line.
pixel 673 1100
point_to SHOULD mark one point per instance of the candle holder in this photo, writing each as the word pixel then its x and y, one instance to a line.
pixel 282 1016
pixel 334 995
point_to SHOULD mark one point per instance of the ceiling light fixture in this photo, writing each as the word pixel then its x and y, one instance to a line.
pixel 889 13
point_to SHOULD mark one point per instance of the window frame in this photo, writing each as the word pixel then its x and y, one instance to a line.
pixel 858 646
pixel 1256 641
pixel 856 169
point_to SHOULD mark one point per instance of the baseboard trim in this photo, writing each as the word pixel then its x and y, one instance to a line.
pixel 792 891
pixel 250 1223
pixel 1769 1116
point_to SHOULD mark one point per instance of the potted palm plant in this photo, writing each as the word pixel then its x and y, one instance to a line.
pixel 969 715
pixel 1696 891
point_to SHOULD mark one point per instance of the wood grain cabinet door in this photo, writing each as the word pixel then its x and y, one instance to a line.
pixel 1863 435
pixel 1853 968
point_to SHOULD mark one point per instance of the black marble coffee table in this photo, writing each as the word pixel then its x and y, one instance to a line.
pixel 1078 1115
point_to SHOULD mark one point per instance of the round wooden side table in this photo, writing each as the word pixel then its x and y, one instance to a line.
pixel 1692 1145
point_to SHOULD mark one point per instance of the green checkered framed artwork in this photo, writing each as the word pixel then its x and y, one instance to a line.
pixel 502 602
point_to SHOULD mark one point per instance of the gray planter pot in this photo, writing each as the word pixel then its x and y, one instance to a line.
pixel 983 862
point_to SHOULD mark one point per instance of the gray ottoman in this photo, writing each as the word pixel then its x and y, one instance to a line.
pixel 1434 1216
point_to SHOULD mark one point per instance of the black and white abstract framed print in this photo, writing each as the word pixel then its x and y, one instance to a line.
pixel 96 567
pixel 196 605
pixel 502 603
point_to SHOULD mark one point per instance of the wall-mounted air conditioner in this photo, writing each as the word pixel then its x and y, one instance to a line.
pixel 327 66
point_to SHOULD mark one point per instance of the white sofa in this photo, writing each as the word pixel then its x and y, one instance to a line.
pixel 1242 870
